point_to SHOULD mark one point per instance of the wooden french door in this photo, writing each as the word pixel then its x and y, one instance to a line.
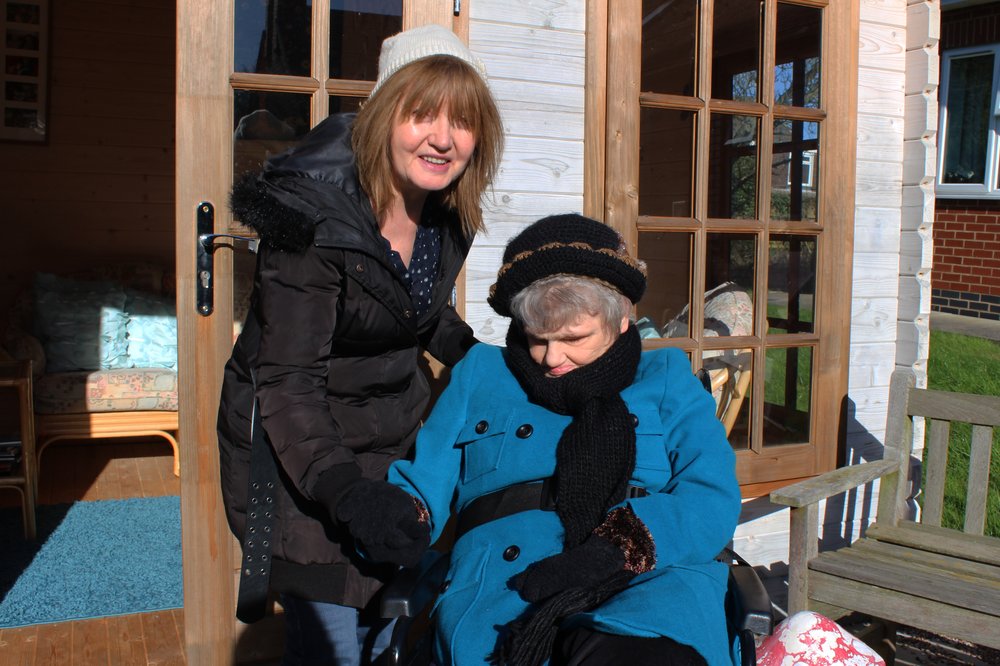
pixel 208 89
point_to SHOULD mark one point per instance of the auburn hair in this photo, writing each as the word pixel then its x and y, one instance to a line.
pixel 422 88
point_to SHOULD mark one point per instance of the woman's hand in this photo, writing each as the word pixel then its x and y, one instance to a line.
pixel 586 565
pixel 620 544
pixel 384 521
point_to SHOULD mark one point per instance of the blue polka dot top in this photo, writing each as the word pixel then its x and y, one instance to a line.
pixel 419 277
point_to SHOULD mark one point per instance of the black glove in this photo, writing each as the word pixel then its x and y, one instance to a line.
pixel 384 522
pixel 586 565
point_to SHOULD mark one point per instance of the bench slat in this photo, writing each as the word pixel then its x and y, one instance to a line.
pixel 913 556
pixel 949 406
pixel 979 479
pixel 916 580
pixel 937 467
pixel 939 540
pixel 902 608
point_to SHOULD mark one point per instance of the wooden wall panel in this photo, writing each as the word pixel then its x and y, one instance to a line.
pixel 535 56
pixel 919 168
pixel 101 189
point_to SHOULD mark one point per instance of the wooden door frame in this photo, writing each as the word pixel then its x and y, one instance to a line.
pixel 204 117
pixel 203 173
pixel 611 174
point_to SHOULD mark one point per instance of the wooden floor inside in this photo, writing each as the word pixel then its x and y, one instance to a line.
pixel 95 471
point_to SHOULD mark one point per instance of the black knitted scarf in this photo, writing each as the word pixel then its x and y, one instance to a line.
pixel 595 458
pixel 596 452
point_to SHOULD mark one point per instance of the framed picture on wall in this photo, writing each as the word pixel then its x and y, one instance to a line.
pixel 24 78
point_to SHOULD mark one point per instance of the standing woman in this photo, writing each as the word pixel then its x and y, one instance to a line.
pixel 364 227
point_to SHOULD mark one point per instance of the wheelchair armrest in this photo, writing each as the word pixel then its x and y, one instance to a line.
pixel 413 589
pixel 752 603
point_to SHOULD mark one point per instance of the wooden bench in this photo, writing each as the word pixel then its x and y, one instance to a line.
pixel 920 574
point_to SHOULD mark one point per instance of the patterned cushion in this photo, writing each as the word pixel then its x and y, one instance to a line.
pixel 80 324
pixel 152 331
pixel 130 389
pixel 810 639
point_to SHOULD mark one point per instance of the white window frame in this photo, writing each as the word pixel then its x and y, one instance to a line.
pixel 988 189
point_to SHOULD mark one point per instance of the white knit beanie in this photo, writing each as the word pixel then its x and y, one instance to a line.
pixel 422 42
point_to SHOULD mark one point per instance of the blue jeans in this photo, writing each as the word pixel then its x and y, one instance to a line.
pixel 322 634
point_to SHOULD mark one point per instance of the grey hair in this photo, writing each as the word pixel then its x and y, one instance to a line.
pixel 552 302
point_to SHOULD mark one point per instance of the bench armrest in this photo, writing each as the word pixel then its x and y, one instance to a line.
pixel 811 491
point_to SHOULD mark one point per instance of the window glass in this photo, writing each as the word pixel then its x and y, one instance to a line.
pixel 732 179
pixel 357 28
pixel 736 50
pixel 662 312
pixel 729 374
pixel 340 104
pixel 795 170
pixel 265 124
pixel 970 87
pixel 791 284
pixel 717 245
pixel 729 277
pixel 797 56
pixel 669 30
pixel 787 395
pixel 273 37
pixel 666 162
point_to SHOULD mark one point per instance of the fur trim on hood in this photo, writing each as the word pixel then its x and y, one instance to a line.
pixel 283 203
pixel 278 225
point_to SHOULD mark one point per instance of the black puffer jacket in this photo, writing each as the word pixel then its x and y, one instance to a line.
pixel 334 341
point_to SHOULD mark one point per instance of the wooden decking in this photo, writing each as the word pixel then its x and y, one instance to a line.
pixel 92 471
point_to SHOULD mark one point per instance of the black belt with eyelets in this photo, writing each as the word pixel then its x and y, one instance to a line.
pixel 255 568
pixel 515 499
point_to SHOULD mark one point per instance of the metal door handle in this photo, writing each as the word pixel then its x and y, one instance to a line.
pixel 205 250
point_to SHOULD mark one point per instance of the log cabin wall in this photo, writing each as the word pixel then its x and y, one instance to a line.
pixel 101 190
pixel 535 56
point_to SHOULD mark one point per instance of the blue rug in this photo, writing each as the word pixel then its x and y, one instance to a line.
pixel 91 559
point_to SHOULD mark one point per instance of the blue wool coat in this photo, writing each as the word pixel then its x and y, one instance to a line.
pixel 683 460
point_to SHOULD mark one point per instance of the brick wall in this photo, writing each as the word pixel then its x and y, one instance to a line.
pixel 970 26
pixel 966 275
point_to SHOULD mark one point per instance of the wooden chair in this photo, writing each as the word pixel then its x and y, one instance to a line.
pixel 915 573
pixel 17 375
pixel 729 385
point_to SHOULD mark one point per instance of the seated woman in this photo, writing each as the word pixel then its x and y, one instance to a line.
pixel 591 482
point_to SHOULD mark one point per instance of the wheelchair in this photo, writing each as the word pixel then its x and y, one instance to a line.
pixel 411 593
pixel 409 596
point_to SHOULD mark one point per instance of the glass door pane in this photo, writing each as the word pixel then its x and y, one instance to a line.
pixel 795 171
pixel 669 34
pixel 666 162
pixel 797 56
pixel 265 124
pixel 273 37
pixel 736 39
pixel 663 310
pixel 357 29
pixel 787 395
pixel 732 180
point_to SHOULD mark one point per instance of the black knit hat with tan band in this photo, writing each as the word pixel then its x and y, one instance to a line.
pixel 567 244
